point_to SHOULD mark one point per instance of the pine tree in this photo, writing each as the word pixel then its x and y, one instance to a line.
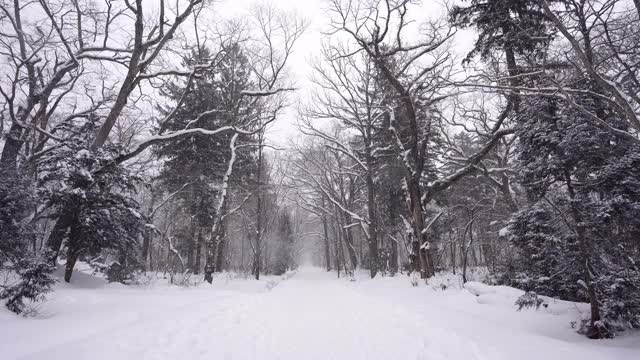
pixel 33 274
pixel 200 161
pixel 106 220
pixel 507 29
pixel 17 197
pixel 34 282
pixel 285 240
pixel 576 239
pixel 517 27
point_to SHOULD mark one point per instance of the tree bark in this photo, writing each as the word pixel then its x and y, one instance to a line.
pixel 373 223
pixel 191 247
pixel 148 233
pixel 595 331
pixel 198 259
pixel 421 259
pixel 452 247
pixel 348 238
pixel 393 257
pixel 11 149
pixel 57 235
pixel 73 250
pixel 258 249
pixel 72 257
pixel 220 254
pixel 327 249
pixel 146 245
pixel 339 254
pixel 465 258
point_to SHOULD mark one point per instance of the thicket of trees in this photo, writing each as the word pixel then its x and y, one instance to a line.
pixel 131 133
pixel 134 139
pixel 522 159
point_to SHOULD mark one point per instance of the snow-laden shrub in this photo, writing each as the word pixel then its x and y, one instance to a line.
pixel 444 280
pixel 34 282
pixel 97 196
pixel 529 300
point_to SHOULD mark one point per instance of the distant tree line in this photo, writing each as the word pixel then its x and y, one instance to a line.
pixel 132 140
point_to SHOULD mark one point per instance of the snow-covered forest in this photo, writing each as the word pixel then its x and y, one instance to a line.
pixel 332 179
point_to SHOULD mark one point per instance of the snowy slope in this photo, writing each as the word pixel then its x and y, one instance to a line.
pixel 312 315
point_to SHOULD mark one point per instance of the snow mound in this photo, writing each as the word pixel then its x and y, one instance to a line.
pixel 486 292
pixel 478 288
pixel 446 280
pixel 507 296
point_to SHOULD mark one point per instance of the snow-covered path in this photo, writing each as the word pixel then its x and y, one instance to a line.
pixel 309 316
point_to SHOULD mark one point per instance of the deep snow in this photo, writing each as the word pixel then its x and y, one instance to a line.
pixel 311 315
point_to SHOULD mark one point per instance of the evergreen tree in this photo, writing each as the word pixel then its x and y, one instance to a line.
pixel 578 238
pixel 34 282
pixel 17 197
pixel 106 219
pixel 516 27
pixel 507 29
pixel 284 251
pixel 200 161
pixel 32 274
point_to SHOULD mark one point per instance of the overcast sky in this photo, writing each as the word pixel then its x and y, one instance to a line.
pixel 299 70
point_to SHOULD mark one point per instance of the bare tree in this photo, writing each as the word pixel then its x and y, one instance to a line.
pixel 348 94
pixel 415 75
pixel 54 64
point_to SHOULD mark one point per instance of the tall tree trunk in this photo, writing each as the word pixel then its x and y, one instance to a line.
pixel 151 257
pixel 265 258
pixel 147 237
pixel 505 188
pixel 191 246
pixel 72 257
pixel 242 246
pixel 393 257
pixel 73 250
pixel 453 254
pixel 221 240
pixel 595 331
pixel 373 222
pixel 58 233
pixel 465 259
pixel 348 239
pixel 327 249
pixel 11 150
pixel 199 243
pixel 258 249
pixel 148 233
pixel 15 139
pixel 221 253
pixel 514 81
pixel 218 222
pixel 339 255
pixel 422 258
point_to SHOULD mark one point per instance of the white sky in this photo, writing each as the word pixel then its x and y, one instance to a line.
pixel 309 45
pixel 298 70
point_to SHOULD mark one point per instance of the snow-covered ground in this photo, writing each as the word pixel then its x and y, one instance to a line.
pixel 310 315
